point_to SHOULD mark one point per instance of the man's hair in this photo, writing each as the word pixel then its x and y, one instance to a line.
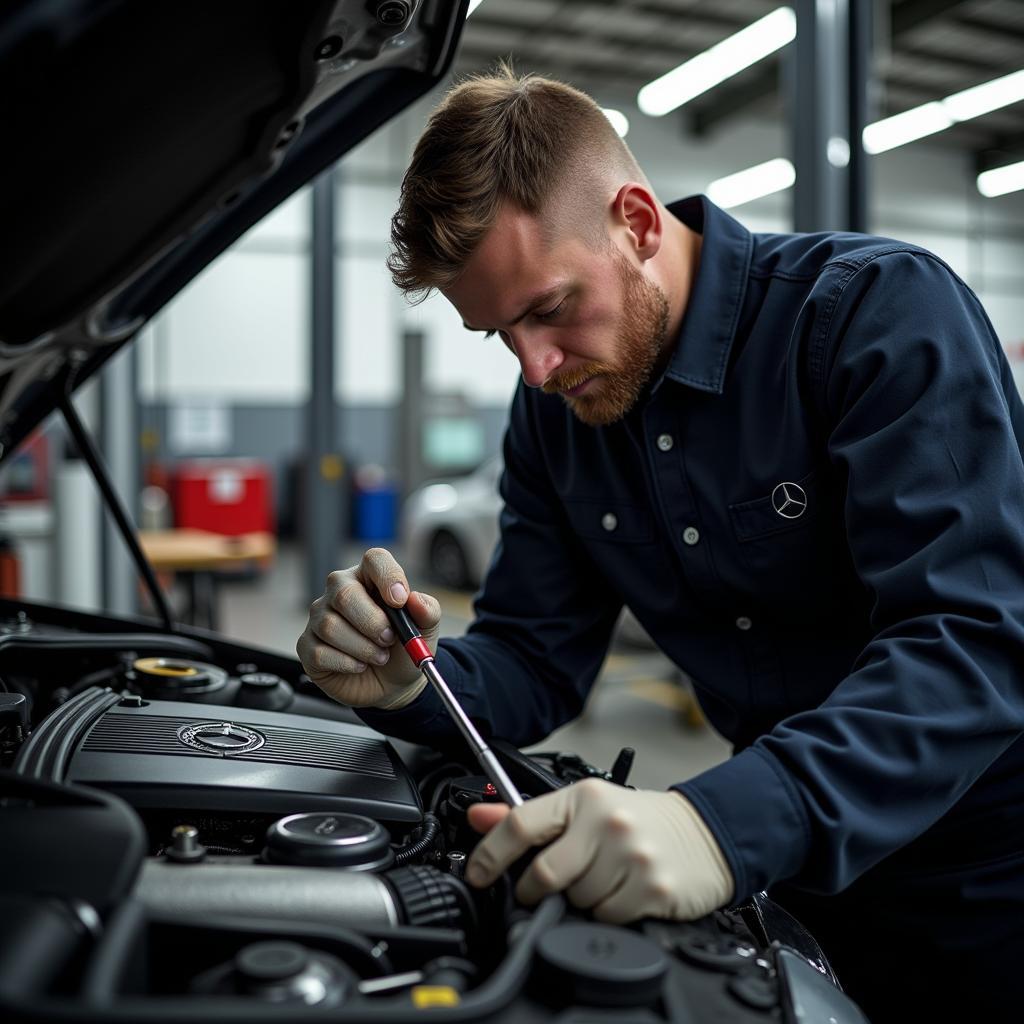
pixel 537 144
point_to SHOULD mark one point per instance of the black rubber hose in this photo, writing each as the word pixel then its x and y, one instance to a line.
pixel 428 836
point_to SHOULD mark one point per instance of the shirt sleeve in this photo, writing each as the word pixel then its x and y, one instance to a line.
pixel 923 432
pixel 543 620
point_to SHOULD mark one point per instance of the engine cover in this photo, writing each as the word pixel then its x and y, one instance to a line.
pixel 171 755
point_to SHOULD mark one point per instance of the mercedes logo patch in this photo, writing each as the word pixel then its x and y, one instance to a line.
pixel 223 738
pixel 789 500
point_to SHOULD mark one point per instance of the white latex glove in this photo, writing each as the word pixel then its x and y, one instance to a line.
pixel 624 853
pixel 346 648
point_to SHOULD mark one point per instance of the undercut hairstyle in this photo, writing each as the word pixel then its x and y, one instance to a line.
pixel 540 145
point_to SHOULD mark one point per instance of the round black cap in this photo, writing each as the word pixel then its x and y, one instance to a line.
pixel 264 962
pixel 260 680
pixel 283 972
pixel 323 839
pixel 601 965
pixel 264 690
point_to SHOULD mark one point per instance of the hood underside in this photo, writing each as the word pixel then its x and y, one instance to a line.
pixel 144 138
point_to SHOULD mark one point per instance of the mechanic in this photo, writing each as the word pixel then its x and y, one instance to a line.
pixel 797 458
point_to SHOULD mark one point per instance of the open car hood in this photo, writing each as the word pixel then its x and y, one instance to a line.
pixel 144 138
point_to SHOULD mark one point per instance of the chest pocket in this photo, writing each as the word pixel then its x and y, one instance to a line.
pixel 792 505
pixel 785 544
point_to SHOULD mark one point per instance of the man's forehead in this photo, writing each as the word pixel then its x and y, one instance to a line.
pixel 512 268
pixel 514 230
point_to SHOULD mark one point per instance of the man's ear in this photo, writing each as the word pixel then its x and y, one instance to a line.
pixel 636 211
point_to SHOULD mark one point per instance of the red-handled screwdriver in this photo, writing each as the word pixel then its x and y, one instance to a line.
pixel 416 647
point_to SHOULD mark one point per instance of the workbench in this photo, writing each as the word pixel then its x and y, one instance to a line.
pixel 199 557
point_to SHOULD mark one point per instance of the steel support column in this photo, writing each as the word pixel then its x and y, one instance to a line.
pixel 860 110
pixel 119 433
pixel 324 477
pixel 411 411
pixel 827 112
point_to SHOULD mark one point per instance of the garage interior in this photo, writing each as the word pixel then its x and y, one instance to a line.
pixel 792 443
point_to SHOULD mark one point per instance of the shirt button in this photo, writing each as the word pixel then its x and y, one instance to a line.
pixel 665 442
pixel 743 623
pixel 609 521
pixel 691 535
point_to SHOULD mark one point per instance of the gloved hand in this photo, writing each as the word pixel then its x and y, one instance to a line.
pixel 346 646
pixel 624 853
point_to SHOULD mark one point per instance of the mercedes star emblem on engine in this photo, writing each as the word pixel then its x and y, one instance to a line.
pixel 224 738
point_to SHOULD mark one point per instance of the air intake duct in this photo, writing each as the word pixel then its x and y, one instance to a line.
pixel 338 897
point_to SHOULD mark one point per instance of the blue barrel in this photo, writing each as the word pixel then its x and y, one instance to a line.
pixel 375 516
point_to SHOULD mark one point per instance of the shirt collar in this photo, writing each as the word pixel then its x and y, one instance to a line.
pixel 712 312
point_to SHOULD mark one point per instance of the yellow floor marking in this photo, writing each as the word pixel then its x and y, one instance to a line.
pixel 668 695
pixel 617 662
pixel 659 691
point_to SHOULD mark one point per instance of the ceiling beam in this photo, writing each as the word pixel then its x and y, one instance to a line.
pixel 567 66
pixel 913 14
pixel 735 96
pixel 721 20
pixel 571 41
pixel 497 19
pixel 551 29
pixel 1006 149
pixel 978 23
pixel 970 66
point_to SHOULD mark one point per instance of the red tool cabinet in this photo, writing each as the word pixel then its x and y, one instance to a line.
pixel 228 496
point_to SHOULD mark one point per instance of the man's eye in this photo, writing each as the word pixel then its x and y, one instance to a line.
pixel 551 313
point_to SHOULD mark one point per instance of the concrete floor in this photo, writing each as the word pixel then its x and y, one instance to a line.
pixel 638 700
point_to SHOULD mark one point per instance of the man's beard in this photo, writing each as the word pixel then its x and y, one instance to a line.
pixel 639 347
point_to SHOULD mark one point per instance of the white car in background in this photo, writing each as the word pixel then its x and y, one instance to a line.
pixel 449 527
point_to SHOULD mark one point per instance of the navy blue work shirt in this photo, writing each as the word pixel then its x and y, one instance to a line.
pixel 817 511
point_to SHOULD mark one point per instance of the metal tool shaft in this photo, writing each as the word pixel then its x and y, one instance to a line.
pixel 419 652
pixel 490 764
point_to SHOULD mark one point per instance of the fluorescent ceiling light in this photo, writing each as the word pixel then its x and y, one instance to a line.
pixel 981 99
pixel 721 61
pixel 753 183
pixel 618 119
pixel 900 129
pixel 941 114
pixel 473 5
pixel 1001 180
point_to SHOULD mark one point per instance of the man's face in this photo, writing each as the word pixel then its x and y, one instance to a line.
pixel 584 323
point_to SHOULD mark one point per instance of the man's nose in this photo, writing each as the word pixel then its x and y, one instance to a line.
pixel 538 358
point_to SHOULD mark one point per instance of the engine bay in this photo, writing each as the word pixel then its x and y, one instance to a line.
pixel 190 832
